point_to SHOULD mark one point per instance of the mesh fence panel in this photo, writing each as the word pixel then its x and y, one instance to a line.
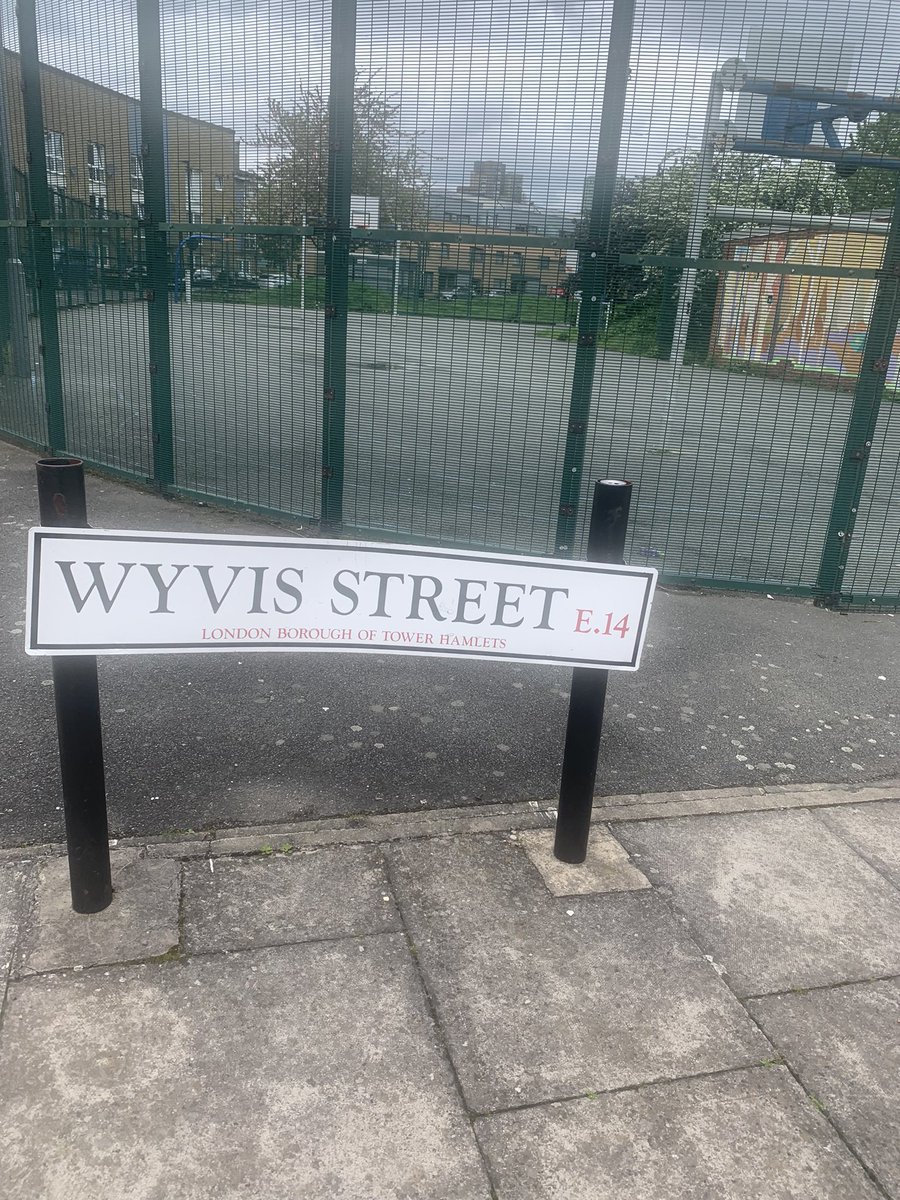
pixel 413 274
pixel 87 80
pixel 246 339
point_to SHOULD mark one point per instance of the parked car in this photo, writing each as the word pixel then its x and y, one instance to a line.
pixel 203 277
pixel 237 279
pixel 495 292
pixel 457 293
pixel 275 281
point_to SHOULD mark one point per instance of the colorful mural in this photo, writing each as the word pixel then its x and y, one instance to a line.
pixel 811 322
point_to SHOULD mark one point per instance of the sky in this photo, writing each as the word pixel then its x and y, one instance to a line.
pixel 518 80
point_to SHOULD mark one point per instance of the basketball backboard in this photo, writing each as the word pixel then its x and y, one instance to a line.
pixel 798 50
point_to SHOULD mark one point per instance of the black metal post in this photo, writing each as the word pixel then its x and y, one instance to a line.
pixel 75 689
pixel 606 543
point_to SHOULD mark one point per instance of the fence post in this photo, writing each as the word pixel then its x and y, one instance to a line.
pixel 153 150
pixel 76 694
pixel 337 257
pixel 41 214
pixel 15 293
pixel 594 267
pixel 606 543
pixel 870 383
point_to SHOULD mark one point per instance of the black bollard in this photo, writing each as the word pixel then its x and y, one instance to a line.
pixel 75 689
pixel 606 543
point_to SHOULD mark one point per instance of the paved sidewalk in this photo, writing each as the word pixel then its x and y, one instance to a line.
pixel 427 1006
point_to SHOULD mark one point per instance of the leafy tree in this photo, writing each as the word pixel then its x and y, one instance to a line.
pixel 651 215
pixel 293 185
pixel 874 187
pixel 661 202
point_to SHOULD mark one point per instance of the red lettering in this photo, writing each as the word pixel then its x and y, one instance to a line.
pixel 583 620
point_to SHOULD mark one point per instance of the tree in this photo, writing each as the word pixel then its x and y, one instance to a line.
pixel 872 188
pixel 651 215
pixel 661 202
pixel 293 185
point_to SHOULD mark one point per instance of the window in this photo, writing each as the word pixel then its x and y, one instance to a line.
pixel 97 206
pixel 545 263
pixel 219 183
pixel 477 256
pixel 194 188
pixel 56 159
pixel 137 173
pixel 138 210
pixel 96 158
pixel 445 251
pixel 500 256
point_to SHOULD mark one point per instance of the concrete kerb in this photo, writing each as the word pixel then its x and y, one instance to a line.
pixel 494 818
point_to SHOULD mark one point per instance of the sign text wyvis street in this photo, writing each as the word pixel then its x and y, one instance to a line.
pixel 128 592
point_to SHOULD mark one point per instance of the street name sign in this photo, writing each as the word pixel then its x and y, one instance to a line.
pixel 140 592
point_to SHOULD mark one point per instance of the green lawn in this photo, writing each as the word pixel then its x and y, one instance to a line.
pixel 526 310
pixel 629 332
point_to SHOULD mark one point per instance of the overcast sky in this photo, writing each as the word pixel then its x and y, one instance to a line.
pixel 519 80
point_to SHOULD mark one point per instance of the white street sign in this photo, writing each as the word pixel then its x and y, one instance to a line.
pixel 128 592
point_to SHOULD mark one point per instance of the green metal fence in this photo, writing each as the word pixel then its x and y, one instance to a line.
pixel 425 271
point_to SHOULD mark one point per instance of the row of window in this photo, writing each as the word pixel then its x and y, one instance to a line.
pixel 54 149
pixel 498 256
pixel 487 220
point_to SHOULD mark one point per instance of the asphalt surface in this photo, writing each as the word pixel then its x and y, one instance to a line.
pixel 455 431
pixel 735 689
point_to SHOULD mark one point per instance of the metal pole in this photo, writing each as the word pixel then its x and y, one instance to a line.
pixel 870 383
pixel 16 289
pixel 396 275
pixel 303 267
pixel 606 543
pixel 699 213
pixel 41 214
pixel 76 693
pixel 153 149
pixel 595 268
pixel 337 258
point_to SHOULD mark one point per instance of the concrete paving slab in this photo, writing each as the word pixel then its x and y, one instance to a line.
pixel 777 898
pixel 607 867
pixel 873 830
pixel 233 904
pixel 716 804
pixel 542 998
pixel 306 1071
pixel 141 922
pixel 14 879
pixel 746 1135
pixel 844 1043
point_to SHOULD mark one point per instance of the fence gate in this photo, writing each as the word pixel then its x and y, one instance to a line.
pixel 424 271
